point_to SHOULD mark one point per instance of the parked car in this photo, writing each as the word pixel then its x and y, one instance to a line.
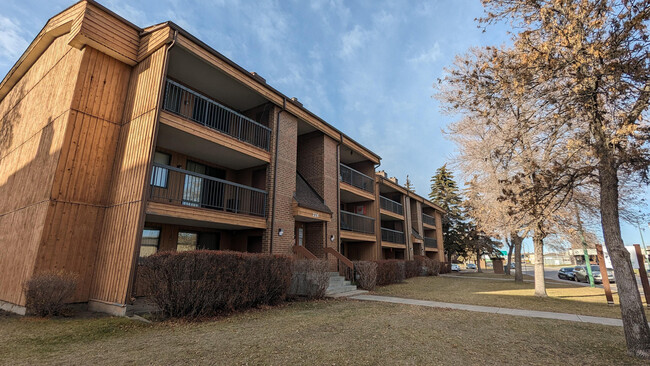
pixel 471 266
pixel 566 273
pixel 455 267
pixel 581 275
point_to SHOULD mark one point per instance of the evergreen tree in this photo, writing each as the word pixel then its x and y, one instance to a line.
pixel 445 193
pixel 409 186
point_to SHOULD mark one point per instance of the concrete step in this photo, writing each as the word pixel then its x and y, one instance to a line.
pixel 346 294
pixel 340 289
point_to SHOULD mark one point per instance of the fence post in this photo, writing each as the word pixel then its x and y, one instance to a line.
pixel 603 273
pixel 643 274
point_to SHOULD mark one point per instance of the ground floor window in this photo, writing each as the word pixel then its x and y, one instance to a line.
pixel 187 240
pixel 150 242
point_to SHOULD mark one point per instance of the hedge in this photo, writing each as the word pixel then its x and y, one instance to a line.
pixel 204 283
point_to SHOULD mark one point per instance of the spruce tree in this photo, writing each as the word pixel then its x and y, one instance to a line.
pixel 445 193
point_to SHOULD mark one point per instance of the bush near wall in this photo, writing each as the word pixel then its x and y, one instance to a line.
pixel 390 271
pixel 310 278
pixel 205 283
pixel 411 269
pixel 366 273
pixel 46 293
pixel 427 266
pixel 445 267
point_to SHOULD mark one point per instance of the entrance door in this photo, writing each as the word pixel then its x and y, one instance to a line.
pixel 300 234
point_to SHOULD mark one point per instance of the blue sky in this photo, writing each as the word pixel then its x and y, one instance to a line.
pixel 366 67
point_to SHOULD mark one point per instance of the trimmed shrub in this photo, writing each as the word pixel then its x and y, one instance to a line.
pixel 411 269
pixel 390 271
pixel 47 292
pixel 427 266
pixel 204 283
pixel 445 267
pixel 366 273
pixel 310 278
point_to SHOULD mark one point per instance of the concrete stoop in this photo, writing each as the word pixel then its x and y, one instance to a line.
pixel 339 287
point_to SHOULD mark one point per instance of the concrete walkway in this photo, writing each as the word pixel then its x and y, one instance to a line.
pixel 556 282
pixel 494 310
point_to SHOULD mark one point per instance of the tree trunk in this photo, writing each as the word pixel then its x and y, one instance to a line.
pixel 516 243
pixel 478 263
pixel 635 325
pixel 538 249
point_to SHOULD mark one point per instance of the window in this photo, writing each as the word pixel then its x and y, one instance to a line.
pixel 159 174
pixel 187 241
pixel 150 242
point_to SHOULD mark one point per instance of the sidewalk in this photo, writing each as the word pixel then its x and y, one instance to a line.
pixel 494 310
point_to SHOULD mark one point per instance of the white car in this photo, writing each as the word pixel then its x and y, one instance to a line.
pixel 455 267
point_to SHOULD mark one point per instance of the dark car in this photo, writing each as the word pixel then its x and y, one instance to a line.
pixel 566 273
pixel 581 275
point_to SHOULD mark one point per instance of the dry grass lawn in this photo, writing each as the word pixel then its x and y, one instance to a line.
pixel 315 333
pixel 563 297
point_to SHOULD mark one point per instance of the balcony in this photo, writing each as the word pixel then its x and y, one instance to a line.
pixel 185 188
pixel 428 220
pixel 357 179
pixel 390 205
pixel 431 243
pixel 392 236
pixel 357 223
pixel 187 103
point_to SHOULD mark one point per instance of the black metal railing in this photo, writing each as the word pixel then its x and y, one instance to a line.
pixel 430 242
pixel 390 205
pixel 393 236
pixel 201 109
pixel 358 223
pixel 357 179
pixel 182 187
pixel 429 220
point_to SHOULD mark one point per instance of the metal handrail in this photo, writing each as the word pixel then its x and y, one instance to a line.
pixel 356 178
pixel 390 205
pixel 183 187
pixel 208 112
pixel 430 242
pixel 429 220
pixel 358 223
pixel 393 236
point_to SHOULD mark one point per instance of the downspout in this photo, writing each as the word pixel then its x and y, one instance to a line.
pixel 338 196
pixel 275 172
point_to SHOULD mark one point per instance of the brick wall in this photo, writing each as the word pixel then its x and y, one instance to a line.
pixel 287 130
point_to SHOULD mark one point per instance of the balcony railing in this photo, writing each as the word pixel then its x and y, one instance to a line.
pixel 430 243
pixel 201 109
pixel 358 223
pixel 392 236
pixel 182 187
pixel 429 220
pixel 357 179
pixel 390 205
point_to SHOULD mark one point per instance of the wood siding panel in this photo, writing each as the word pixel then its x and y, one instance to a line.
pixel 124 218
pixel 106 33
pixel 20 234
pixel 34 118
pixel 153 40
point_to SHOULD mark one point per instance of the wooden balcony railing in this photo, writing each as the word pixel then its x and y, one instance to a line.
pixel 358 223
pixel 393 236
pixel 201 109
pixel 429 220
pixel 390 205
pixel 357 179
pixel 182 187
pixel 430 242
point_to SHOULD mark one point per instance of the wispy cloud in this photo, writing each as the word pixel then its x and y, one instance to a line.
pixel 428 57
pixel 12 41
pixel 352 41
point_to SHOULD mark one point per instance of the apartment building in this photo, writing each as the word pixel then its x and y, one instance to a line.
pixel 117 142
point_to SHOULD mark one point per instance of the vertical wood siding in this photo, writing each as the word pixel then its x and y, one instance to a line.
pixel 123 221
